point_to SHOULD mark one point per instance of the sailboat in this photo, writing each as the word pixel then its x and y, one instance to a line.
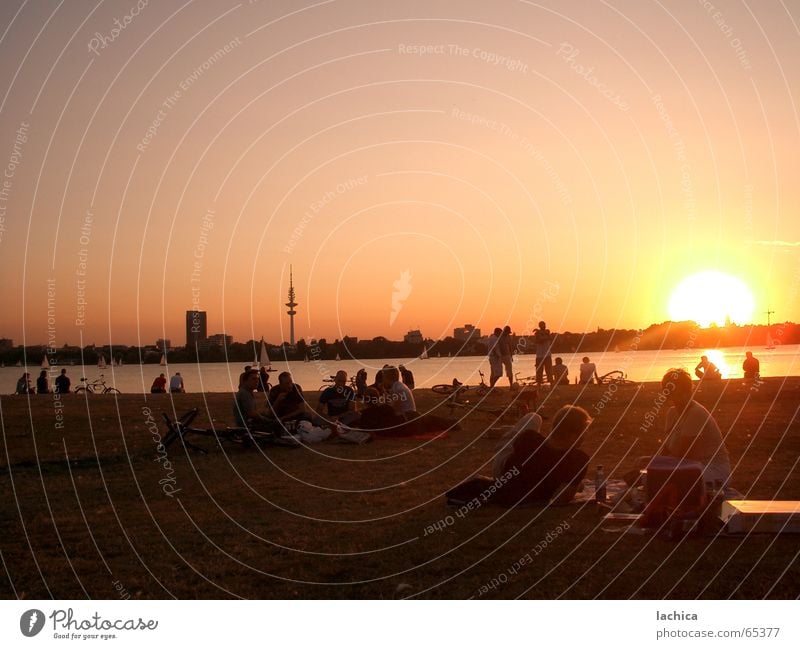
pixel 163 361
pixel 306 359
pixel 45 362
pixel 338 358
pixel 424 354
pixel 263 356
pixel 19 363
pixel 101 364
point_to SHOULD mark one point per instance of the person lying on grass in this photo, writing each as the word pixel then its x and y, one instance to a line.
pixel 543 470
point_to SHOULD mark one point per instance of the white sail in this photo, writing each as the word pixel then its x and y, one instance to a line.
pixel 307 359
pixel 263 357
pixel 163 362
pixel 424 353
pixel 45 362
pixel 101 364
pixel 338 358
pixel 19 363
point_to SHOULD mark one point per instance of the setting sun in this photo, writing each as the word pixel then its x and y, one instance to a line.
pixel 711 297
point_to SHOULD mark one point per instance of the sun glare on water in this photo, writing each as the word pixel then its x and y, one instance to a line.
pixel 711 297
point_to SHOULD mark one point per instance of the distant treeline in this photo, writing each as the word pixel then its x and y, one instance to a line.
pixel 667 335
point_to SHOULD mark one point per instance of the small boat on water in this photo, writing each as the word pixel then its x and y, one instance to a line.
pixel 45 362
pixel 163 361
pixel 424 355
pixel 263 356
pixel 338 358
pixel 101 364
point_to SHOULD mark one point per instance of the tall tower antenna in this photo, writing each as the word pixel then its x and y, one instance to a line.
pixel 291 304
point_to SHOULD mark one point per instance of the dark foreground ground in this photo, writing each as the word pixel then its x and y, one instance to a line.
pixel 86 510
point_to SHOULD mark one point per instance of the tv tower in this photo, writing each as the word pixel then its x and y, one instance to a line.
pixel 291 312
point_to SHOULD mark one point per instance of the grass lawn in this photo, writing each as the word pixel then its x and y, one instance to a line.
pixel 85 514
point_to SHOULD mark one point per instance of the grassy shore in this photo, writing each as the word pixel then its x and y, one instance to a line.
pixel 87 509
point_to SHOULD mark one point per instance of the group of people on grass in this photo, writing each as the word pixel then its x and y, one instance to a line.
pixel 386 406
pixel 62 384
pixel 160 384
pixel 539 467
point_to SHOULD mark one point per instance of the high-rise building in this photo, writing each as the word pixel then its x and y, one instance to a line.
pixel 196 330
pixel 466 333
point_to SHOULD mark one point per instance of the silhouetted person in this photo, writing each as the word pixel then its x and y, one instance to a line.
pixel 42 384
pixel 751 366
pixel 407 376
pixel 159 385
pixel 263 380
pixel 495 362
pixel 62 382
pixel 176 383
pixel 707 370
pixel 24 384
pixel 588 372
pixel 560 372
pixel 506 355
pixel 543 341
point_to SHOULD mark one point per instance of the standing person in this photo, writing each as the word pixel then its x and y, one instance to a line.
pixel 543 341
pixel 159 385
pixel 407 376
pixel 506 355
pixel 751 366
pixel 62 382
pixel 42 384
pixel 24 384
pixel 588 372
pixel 176 383
pixel 705 369
pixel 495 364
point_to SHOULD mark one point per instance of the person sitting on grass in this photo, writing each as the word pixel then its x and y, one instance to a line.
pixel 159 385
pixel 337 402
pixel 707 370
pixel 42 384
pixel 691 431
pixel 588 372
pixel 560 373
pixel 244 404
pixel 24 384
pixel 63 382
pixel 751 367
pixel 286 399
pixel 549 470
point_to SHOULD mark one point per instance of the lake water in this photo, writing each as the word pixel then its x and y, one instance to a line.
pixel 223 377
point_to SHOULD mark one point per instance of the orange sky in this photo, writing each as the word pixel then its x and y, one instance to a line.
pixel 521 161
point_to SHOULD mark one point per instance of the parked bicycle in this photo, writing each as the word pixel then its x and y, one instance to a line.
pixel 458 387
pixel 326 383
pixel 617 377
pixel 95 386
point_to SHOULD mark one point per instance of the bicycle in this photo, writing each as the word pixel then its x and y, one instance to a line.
pixel 326 383
pixel 95 386
pixel 525 381
pixel 617 377
pixel 458 387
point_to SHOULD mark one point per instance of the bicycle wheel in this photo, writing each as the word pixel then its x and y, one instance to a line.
pixel 444 388
pixel 111 391
pixel 83 388
pixel 612 377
